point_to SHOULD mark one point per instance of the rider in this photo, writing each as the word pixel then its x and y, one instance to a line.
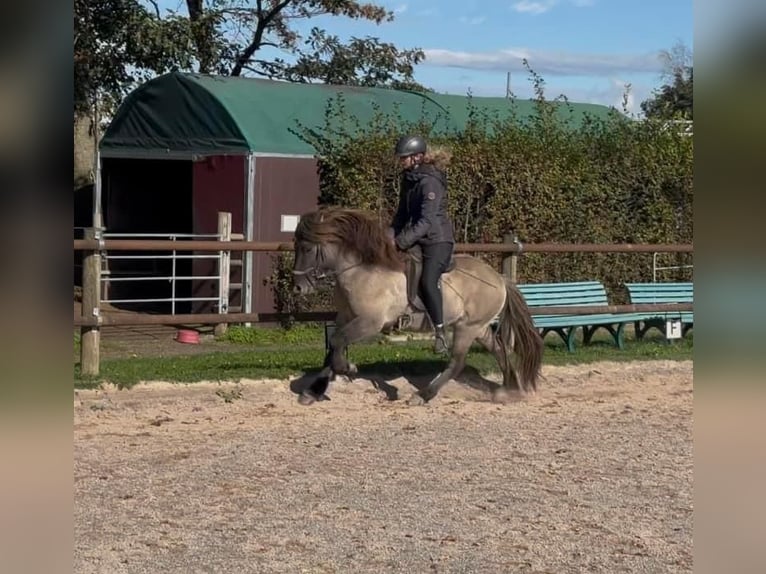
pixel 421 219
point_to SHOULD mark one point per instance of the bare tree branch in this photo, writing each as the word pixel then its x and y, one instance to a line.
pixel 156 7
pixel 263 22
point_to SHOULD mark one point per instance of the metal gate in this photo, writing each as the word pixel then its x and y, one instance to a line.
pixel 108 277
pixel 657 268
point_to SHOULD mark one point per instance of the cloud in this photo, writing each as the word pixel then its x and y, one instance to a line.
pixel 400 9
pixel 606 92
pixel 546 63
pixel 474 21
pixel 534 7
pixel 542 6
pixel 613 93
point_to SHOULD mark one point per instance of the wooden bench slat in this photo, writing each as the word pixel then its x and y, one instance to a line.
pixel 562 289
pixel 650 300
pixel 567 285
pixel 688 292
pixel 660 287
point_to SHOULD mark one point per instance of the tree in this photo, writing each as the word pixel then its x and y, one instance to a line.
pixel 118 42
pixel 230 35
pixel 361 62
pixel 674 100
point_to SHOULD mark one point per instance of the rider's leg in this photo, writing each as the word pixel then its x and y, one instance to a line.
pixel 436 258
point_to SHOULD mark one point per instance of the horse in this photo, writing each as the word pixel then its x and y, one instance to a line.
pixel 353 248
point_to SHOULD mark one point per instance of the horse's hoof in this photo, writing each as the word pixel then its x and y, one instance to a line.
pixel 350 374
pixel 416 401
pixel 504 396
pixel 341 371
pixel 306 399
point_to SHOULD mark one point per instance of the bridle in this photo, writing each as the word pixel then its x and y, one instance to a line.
pixel 314 274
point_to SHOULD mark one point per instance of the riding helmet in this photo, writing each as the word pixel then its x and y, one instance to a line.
pixel 410 145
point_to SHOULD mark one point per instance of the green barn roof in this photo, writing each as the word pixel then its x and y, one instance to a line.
pixel 193 113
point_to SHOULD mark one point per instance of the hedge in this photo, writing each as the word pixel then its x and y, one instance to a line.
pixel 546 179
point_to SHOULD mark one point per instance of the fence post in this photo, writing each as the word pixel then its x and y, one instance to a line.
pixel 90 336
pixel 510 260
pixel 224 269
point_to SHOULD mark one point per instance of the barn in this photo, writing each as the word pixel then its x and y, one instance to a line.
pixel 183 147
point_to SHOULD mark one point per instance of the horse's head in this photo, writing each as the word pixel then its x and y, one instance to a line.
pixel 313 261
pixel 333 240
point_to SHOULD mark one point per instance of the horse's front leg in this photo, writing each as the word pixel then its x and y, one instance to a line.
pixel 316 391
pixel 356 330
pixel 335 362
pixel 318 388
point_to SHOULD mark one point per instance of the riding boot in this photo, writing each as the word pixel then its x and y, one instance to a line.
pixel 440 341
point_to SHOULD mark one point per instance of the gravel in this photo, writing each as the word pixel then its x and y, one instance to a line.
pixel 593 474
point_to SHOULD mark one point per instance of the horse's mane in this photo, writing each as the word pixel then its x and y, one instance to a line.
pixel 355 230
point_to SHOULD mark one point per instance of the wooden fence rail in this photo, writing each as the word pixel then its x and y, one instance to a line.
pixel 214 318
pixel 92 318
pixel 260 246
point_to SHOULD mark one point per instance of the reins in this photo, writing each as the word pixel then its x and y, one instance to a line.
pixel 314 274
pixel 474 276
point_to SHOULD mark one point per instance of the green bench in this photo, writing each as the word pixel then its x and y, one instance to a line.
pixel 651 293
pixel 591 293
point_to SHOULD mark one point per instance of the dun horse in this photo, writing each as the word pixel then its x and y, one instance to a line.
pixel 371 296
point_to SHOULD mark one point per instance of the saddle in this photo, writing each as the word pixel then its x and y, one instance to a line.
pixel 413 272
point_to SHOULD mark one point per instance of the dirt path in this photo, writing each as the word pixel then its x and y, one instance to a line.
pixel 594 474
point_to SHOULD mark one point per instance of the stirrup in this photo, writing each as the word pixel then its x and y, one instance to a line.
pixel 403 322
pixel 440 345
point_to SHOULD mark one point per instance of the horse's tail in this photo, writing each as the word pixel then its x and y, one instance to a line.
pixel 516 322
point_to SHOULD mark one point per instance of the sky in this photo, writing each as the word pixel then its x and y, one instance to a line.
pixel 587 50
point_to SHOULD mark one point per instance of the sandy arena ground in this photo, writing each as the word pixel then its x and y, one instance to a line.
pixel 593 474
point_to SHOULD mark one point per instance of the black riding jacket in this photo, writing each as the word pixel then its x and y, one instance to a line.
pixel 422 213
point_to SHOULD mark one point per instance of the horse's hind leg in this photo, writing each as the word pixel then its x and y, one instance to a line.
pixel 490 341
pixel 461 343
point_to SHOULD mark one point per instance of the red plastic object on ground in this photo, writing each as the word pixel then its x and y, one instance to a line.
pixel 187 336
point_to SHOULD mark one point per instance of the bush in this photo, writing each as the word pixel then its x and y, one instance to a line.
pixel 289 302
pixel 552 178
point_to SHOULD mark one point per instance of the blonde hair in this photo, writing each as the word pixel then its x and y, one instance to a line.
pixel 438 156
